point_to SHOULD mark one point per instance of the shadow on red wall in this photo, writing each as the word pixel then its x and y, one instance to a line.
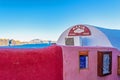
pixel 31 64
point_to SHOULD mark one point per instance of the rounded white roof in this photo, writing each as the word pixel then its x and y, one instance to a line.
pixel 84 35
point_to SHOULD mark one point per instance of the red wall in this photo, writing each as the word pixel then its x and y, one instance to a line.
pixel 31 64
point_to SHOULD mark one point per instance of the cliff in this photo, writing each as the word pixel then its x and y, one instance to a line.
pixel 5 42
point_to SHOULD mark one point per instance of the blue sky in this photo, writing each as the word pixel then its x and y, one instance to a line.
pixel 47 19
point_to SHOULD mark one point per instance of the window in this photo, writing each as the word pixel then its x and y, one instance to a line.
pixel 69 41
pixel 83 59
pixel 104 63
pixel 118 65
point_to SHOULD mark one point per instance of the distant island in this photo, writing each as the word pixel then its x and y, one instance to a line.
pixel 5 42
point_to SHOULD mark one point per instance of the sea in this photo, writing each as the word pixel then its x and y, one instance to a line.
pixel 41 45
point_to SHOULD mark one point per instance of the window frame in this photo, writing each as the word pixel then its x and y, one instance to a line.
pixel 84 53
pixel 100 63
pixel 71 40
pixel 118 68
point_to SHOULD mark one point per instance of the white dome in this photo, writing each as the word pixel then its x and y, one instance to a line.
pixel 83 35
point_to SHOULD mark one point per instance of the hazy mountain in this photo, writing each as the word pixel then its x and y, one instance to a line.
pixel 36 41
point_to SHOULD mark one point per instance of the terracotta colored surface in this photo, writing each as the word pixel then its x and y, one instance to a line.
pixel 31 64
pixel 71 70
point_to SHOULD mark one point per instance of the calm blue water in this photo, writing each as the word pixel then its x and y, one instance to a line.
pixel 42 45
